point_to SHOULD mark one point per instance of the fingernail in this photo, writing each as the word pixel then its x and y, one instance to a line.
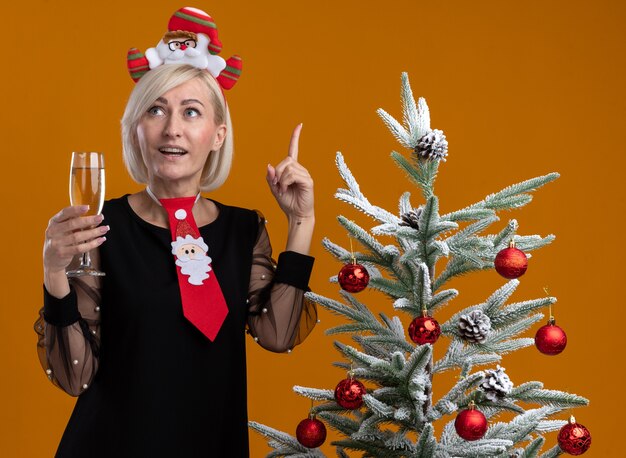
pixel 102 240
pixel 274 181
pixel 84 207
pixel 104 229
pixel 99 218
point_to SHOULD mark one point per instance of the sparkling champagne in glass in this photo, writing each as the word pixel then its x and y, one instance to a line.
pixel 87 188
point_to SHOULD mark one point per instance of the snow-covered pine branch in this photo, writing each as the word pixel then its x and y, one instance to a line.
pixel 494 201
pixel 426 444
pixel 339 422
pixel 441 299
pixel 389 342
pixel 314 393
pixel 506 199
pixel 396 129
pixel 289 444
pixel 514 312
pixel 451 445
pixel 551 398
pixel 532 449
pixel 489 307
pixel 423 175
pixel 458 266
pixel 355 197
pixel 521 426
pixel 415 116
pixel 552 453
pixel 447 404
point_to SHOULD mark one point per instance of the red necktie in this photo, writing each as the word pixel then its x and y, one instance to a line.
pixel 201 295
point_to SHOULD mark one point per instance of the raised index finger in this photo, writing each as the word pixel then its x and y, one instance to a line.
pixel 293 144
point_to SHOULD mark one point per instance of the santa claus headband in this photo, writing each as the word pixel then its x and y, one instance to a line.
pixel 191 39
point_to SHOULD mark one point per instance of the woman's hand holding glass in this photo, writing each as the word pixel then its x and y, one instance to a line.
pixel 69 234
pixel 74 232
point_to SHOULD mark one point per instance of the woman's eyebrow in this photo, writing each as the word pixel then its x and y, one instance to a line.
pixel 189 101
pixel 184 102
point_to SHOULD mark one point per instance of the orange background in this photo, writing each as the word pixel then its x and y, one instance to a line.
pixel 520 89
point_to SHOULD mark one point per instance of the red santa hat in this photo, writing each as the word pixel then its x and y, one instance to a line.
pixel 183 228
pixel 196 21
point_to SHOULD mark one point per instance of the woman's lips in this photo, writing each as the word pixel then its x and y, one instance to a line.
pixel 172 151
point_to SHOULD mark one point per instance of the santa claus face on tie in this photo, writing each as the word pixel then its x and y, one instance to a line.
pixel 191 257
pixel 190 252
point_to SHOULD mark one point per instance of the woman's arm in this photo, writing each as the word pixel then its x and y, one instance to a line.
pixel 292 187
pixel 280 317
pixel 68 324
pixel 68 332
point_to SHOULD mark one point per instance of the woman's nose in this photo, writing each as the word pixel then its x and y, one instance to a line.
pixel 173 127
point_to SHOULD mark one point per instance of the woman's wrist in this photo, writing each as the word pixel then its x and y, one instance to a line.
pixel 300 233
pixel 297 220
pixel 56 283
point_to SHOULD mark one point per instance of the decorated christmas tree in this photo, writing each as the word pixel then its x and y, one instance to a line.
pixel 385 406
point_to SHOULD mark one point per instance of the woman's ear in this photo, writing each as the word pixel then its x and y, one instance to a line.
pixel 220 136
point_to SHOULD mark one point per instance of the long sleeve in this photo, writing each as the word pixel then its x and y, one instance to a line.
pixel 280 316
pixel 68 335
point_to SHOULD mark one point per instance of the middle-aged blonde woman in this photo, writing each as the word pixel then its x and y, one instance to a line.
pixel 157 374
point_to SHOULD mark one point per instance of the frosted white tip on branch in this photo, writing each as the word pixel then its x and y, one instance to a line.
pixel 415 132
pixel 355 197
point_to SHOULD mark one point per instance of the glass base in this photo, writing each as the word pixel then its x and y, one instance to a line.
pixel 85 272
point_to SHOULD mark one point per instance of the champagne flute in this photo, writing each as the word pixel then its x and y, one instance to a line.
pixel 87 188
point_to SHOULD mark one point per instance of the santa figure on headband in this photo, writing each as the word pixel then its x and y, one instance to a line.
pixel 191 39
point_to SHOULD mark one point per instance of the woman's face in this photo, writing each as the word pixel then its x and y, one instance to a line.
pixel 176 135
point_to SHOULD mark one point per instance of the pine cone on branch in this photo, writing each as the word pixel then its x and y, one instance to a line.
pixel 496 384
pixel 474 326
pixel 432 145
pixel 412 218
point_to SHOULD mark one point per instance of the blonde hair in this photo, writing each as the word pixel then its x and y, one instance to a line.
pixel 153 85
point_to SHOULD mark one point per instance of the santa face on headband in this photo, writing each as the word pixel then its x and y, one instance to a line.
pixel 181 47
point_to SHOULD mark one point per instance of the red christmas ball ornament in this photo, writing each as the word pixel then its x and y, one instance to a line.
pixel 511 262
pixel 550 339
pixel 353 277
pixel 471 424
pixel 311 432
pixel 574 438
pixel 349 393
pixel 424 329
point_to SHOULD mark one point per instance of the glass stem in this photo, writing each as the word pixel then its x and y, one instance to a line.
pixel 85 261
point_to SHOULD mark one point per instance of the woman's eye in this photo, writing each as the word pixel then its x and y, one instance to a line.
pixel 191 112
pixel 156 111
